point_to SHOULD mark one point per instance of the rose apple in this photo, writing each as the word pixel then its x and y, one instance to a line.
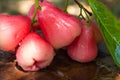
pixel 34 53
pixel 83 48
pixel 58 27
pixel 12 30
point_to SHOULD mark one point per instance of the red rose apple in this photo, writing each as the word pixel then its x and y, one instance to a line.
pixel 58 27
pixel 83 48
pixel 12 30
pixel 34 53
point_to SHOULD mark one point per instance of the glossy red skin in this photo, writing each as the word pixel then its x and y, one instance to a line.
pixel 83 48
pixel 97 34
pixel 59 28
pixel 34 53
pixel 12 30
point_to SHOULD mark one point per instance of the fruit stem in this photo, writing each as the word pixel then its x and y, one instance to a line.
pixel 80 15
pixel 66 6
pixel 87 13
pixel 81 6
pixel 89 22
pixel 35 12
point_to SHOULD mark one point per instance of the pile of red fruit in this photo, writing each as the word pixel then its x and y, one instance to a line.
pixel 59 30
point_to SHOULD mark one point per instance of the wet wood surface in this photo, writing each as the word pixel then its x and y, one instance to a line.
pixel 62 68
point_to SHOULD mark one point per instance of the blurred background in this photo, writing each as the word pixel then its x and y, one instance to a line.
pixel 22 6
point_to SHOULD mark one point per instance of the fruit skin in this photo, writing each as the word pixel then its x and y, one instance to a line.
pixel 34 53
pixel 97 34
pixel 83 48
pixel 58 27
pixel 12 30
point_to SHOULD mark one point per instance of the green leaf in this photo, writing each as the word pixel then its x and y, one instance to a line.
pixel 110 28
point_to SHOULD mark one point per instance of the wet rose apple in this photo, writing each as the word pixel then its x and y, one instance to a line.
pixel 34 53
pixel 12 30
pixel 83 48
pixel 58 27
